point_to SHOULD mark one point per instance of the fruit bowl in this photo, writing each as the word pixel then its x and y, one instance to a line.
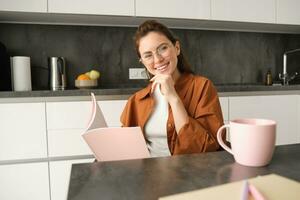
pixel 86 84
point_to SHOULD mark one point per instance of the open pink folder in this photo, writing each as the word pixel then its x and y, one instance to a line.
pixel 113 143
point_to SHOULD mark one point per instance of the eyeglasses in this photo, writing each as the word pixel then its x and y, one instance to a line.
pixel 161 51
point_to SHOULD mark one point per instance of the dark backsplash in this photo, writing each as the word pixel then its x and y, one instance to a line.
pixel 225 57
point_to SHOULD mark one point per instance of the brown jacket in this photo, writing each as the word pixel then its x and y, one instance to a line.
pixel 200 100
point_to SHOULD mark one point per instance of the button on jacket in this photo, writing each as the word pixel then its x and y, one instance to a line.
pixel 201 102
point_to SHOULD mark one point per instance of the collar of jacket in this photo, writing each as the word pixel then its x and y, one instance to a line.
pixel 182 83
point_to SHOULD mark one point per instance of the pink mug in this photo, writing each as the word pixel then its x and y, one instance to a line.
pixel 252 140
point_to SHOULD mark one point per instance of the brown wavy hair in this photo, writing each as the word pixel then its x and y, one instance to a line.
pixel 154 26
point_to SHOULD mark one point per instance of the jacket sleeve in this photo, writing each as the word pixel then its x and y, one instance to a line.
pixel 205 118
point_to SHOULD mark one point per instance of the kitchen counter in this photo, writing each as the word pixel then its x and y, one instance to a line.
pixel 124 93
pixel 155 177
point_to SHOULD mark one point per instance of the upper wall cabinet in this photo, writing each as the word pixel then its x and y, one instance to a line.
pixel 192 9
pixel 92 7
pixel 260 11
pixel 24 6
pixel 288 12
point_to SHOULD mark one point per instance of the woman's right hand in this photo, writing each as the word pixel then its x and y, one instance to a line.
pixel 166 84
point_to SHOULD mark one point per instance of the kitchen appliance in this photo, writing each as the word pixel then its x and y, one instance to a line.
pixel 57 75
pixel 5 73
pixel 21 73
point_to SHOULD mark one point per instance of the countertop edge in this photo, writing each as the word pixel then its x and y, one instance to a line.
pixel 111 94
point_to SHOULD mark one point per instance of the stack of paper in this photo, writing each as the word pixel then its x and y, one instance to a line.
pixel 273 187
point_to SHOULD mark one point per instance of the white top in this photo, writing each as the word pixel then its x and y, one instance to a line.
pixel 156 126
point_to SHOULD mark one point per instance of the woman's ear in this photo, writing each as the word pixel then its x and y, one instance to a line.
pixel 177 47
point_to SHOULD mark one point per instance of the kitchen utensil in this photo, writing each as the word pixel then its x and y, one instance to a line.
pixel 57 66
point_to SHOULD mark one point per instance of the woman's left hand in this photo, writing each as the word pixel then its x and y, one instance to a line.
pixel 166 83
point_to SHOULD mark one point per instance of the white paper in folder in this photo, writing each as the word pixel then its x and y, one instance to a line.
pixel 113 143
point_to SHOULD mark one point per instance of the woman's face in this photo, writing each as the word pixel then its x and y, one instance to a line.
pixel 158 54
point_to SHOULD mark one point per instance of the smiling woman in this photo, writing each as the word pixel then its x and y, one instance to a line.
pixel 178 111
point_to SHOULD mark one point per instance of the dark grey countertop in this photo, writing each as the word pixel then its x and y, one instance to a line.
pixel 155 177
pixel 231 88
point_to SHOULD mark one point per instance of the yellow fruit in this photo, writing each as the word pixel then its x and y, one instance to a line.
pixel 94 74
pixel 83 77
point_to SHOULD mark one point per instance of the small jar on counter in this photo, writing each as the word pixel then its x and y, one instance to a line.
pixel 269 79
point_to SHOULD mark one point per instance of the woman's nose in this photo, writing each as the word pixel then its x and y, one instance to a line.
pixel 157 58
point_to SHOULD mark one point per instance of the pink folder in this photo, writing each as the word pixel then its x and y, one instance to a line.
pixel 113 143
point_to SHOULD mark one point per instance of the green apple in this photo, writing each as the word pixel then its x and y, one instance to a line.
pixel 94 74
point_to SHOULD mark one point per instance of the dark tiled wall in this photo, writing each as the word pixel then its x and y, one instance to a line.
pixel 223 56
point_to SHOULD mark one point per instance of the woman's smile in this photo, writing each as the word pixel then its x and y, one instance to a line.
pixel 162 67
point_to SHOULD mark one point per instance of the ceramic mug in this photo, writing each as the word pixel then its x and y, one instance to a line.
pixel 252 140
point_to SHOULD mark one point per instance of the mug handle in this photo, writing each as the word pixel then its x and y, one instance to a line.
pixel 220 139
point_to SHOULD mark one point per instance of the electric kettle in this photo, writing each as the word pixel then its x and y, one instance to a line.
pixel 57 73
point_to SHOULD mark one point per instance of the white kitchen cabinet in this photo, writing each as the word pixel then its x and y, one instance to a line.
pixel 22 131
pixel 288 12
pixel 112 111
pixel 24 181
pixel 92 7
pixel 281 108
pixel 192 9
pixel 66 121
pixel 68 142
pixel 261 11
pixel 68 115
pixel 224 101
pixel 298 128
pixel 224 107
pixel 75 115
pixel 60 172
pixel 24 6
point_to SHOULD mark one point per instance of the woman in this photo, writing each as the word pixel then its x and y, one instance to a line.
pixel 178 112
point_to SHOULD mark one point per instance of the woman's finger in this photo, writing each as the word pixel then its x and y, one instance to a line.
pixel 153 86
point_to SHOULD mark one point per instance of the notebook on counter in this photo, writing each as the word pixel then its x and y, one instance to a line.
pixel 113 143
pixel 273 187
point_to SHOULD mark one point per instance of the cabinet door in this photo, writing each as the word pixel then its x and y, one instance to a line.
pixel 92 7
pixel 298 128
pixel 288 12
pixel 281 108
pixel 112 111
pixel 193 9
pixel 244 11
pixel 224 107
pixel 60 172
pixel 68 115
pixel 22 131
pixel 24 6
pixel 67 142
pixel 24 181
pixel 66 121
pixel 75 115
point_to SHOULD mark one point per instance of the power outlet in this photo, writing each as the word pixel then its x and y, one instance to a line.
pixel 137 73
